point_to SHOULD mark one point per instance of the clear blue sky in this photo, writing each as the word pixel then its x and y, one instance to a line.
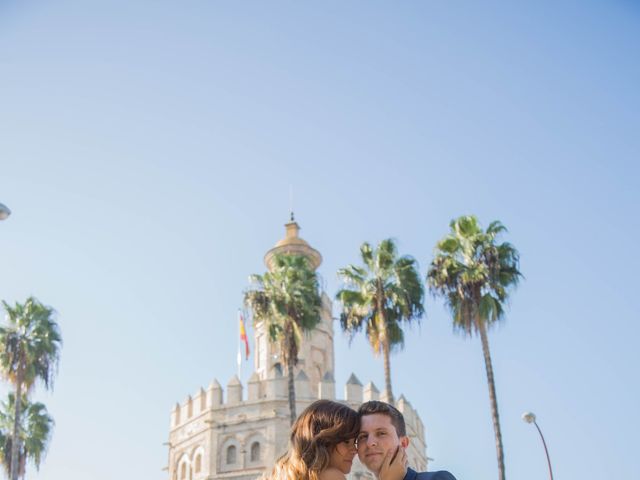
pixel 147 149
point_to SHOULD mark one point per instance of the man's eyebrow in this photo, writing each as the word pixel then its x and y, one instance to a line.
pixel 374 431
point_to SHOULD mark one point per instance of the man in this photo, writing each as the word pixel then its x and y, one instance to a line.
pixel 382 430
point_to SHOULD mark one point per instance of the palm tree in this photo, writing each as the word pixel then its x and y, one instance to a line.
pixel 287 299
pixel 29 351
pixel 379 296
pixel 475 273
pixel 35 432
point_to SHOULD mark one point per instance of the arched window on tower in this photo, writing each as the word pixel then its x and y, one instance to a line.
pixel 231 455
pixel 183 471
pixel 198 464
pixel 255 452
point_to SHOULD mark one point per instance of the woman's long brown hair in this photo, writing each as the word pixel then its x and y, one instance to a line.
pixel 314 435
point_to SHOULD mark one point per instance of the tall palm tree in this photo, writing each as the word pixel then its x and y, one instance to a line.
pixel 475 273
pixel 29 351
pixel 36 426
pixel 287 299
pixel 379 296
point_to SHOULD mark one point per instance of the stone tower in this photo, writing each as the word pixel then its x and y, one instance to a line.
pixel 241 436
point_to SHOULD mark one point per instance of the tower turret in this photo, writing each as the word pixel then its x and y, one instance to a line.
pixel 292 244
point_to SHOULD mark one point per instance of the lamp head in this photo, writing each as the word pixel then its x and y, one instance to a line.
pixel 4 211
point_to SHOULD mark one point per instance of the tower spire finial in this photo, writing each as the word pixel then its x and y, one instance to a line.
pixel 291 203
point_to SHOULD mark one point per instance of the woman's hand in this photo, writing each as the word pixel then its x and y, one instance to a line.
pixel 394 465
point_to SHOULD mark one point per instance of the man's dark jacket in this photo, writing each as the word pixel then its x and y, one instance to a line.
pixel 441 475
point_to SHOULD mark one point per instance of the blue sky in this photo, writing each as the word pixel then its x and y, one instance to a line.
pixel 147 150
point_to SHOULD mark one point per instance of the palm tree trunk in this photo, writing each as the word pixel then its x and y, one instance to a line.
pixel 292 390
pixel 15 445
pixel 387 371
pixel 492 398
pixel 385 343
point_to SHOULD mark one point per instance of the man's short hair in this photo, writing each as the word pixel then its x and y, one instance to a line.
pixel 397 420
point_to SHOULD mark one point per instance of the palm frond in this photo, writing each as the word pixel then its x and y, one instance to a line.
pixel 449 245
pixel 495 228
pixel 366 253
pixel 352 275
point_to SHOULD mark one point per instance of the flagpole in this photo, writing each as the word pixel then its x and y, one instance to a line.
pixel 239 357
pixel 244 340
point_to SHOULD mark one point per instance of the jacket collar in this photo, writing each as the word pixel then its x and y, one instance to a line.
pixel 411 474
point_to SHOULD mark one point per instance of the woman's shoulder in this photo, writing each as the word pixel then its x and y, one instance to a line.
pixel 331 473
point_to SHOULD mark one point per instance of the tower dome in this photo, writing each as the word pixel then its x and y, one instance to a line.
pixel 292 244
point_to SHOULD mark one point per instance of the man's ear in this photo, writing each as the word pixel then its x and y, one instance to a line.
pixel 404 442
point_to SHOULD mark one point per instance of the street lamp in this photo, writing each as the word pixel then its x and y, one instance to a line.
pixel 530 417
pixel 4 211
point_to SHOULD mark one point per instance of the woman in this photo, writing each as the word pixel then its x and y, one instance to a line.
pixel 322 446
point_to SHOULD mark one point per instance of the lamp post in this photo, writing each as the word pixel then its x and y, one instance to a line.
pixel 530 417
pixel 4 211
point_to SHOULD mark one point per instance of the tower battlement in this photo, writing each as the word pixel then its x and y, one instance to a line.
pixel 213 399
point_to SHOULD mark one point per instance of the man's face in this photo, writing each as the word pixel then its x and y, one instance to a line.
pixel 377 437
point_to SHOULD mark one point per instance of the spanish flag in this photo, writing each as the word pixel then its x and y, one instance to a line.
pixel 243 335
